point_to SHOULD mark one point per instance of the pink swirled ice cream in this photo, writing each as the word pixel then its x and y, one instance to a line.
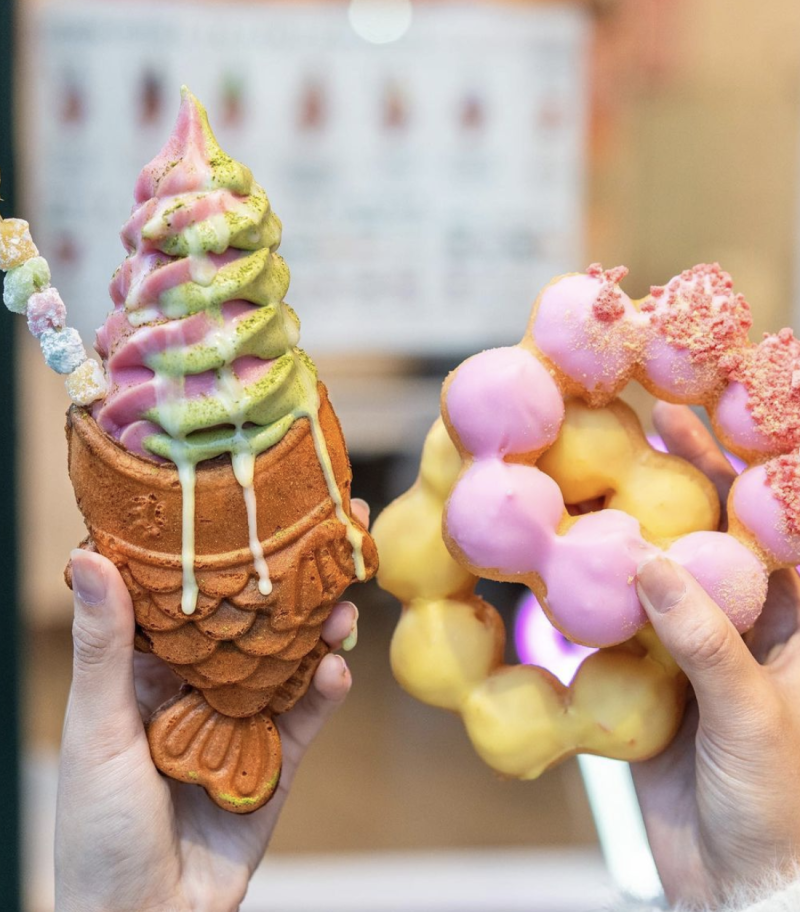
pixel 200 349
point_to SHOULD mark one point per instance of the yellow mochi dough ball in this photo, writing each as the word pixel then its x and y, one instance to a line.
pixel 442 649
pixel 631 721
pixel 517 722
pixel 418 565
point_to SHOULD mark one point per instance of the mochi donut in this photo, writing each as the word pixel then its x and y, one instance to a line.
pixel 538 474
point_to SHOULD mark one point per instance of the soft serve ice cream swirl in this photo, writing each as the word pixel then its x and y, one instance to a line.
pixel 200 349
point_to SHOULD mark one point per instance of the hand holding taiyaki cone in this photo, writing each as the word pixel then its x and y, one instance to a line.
pixel 126 837
pixel 206 458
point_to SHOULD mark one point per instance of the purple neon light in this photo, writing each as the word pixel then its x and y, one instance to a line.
pixel 539 643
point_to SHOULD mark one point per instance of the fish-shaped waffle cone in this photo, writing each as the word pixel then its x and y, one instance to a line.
pixel 245 657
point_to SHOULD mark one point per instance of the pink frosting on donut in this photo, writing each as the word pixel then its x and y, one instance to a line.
pixel 734 422
pixel 591 567
pixel 763 514
pixel 504 515
pixel 729 572
pixel 576 334
pixel 695 321
pixel 487 412
pixel 676 374
pixel 783 477
pixel 770 374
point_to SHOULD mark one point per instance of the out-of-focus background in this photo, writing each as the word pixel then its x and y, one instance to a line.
pixel 434 163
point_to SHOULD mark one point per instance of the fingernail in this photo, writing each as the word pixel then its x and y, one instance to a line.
pixel 343 666
pixel 88 581
pixel 361 504
pixel 350 641
pixel 659 584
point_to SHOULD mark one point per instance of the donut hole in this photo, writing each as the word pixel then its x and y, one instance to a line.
pixel 591 505
pixel 505 597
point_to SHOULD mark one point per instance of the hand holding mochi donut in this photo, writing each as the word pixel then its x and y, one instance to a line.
pixel 536 433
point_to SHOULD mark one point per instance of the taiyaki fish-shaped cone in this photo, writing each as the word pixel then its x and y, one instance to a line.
pixel 246 655
pixel 205 457
pixel 213 472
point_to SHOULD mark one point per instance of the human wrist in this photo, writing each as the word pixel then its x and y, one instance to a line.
pixel 80 906
pixel 68 901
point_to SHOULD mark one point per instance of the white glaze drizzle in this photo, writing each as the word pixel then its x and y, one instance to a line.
pixel 243 468
pixel 243 458
pixel 187 474
pixel 309 381
pixel 354 537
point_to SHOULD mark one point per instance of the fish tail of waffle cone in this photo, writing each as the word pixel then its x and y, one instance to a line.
pixel 248 654
pixel 237 761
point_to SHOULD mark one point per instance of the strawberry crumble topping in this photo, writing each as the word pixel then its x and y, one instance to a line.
pixel 783 475
pixel 698 311
pixel 768 371
pixel 608 307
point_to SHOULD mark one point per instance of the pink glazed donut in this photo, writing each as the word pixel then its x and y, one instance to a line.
pixel 508 411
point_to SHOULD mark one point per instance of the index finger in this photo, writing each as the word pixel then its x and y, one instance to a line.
pixel 360 509
pixel 685 435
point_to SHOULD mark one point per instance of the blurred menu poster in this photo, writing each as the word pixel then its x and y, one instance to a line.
pixel 428 187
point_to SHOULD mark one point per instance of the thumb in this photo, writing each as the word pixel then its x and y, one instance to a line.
pixel 701 639
pixel 102 698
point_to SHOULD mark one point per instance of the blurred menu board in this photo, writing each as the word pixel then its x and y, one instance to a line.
pixel 428 186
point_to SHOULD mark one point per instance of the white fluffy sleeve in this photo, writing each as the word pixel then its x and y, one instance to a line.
pixel 775 894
